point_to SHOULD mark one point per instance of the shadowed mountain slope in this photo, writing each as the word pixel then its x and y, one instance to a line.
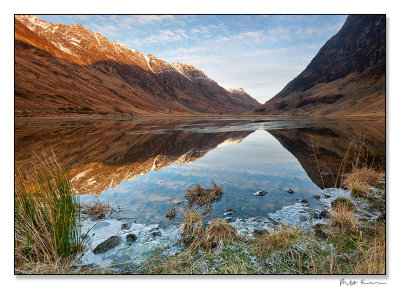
pixel 346 78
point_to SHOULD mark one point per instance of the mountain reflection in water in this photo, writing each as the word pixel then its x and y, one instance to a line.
pixel 142 165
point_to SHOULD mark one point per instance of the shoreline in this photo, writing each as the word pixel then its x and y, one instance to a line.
pixel 129 258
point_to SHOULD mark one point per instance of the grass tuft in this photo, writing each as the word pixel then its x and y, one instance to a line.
pixel 344 219
pixel 193 226
pixel 171 213
pixel 373 256
pixel 96 208
pixel 282 239
pixel 46 216
pixel 218 234
pixel 359 180
pixel 203 196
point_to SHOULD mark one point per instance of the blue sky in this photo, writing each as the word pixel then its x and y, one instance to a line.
pixel 260 53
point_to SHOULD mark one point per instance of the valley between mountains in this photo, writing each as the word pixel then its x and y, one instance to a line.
pixel 68 70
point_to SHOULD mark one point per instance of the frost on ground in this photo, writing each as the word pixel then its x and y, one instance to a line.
pixel 129 256
pixel 133 253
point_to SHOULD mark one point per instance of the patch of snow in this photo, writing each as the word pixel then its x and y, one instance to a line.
pixel 73 39
pixel 91 181
pixel 34 22
pixel 229 142
pixel 148 62
pixel 62 48
pixel 78 176
pixel 178 67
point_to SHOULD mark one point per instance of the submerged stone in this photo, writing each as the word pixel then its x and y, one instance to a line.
pixel 325 214
pixel 316 214
pixel 130 238
pixel 108 244
pixel 302 218
pixel 156 234
pixel 229 219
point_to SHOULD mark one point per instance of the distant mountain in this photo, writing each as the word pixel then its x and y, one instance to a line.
pixel 346 78
pixel 68 70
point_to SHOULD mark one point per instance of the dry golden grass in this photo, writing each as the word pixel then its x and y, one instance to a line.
pixel 56 266
pixel 373 258
pixel 203 196
pixel 96 208
pixel 344 219
pixel 283 238
pixel 194 236
pixel 193 226
pixel 359 180
pixel 218 234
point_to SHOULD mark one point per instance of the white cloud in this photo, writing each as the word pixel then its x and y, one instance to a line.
pixel 144 19
pixel 162 36
pixel 257 36
pixel 306 32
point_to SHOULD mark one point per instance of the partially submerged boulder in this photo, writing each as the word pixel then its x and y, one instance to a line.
pixel 108 244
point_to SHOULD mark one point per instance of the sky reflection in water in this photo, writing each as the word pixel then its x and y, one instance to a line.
pixel 259 162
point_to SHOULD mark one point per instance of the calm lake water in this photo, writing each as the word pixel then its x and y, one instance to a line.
pixel 143 167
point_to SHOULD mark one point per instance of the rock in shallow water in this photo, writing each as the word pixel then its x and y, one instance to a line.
pixel 304 201
pixel 156 234
pixel 229 212
pixel 316 214
pixel 260 193
pixel 130 238
pixel 108 244
pixel 302 218
pixel 229 219
pixel 325 214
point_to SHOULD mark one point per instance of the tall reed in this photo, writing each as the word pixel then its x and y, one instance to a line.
pixel 46 214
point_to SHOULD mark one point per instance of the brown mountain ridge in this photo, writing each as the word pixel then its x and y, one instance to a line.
pixel 69 70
